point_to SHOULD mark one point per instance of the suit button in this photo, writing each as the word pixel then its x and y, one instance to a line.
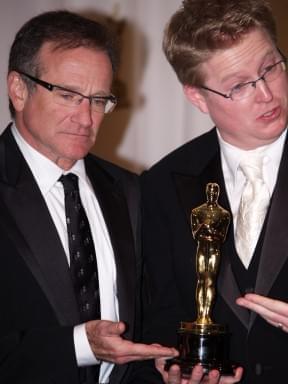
pixel 258 369
pixel 85 307
pixel 83 290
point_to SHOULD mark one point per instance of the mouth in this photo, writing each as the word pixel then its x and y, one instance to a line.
pixel 77 134
pixel 270 115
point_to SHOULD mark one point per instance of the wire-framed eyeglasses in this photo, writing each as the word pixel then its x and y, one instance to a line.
pixel 246 89
pixel 68 98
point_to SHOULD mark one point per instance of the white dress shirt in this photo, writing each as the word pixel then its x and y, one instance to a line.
pixel 234 177
pixel 47 174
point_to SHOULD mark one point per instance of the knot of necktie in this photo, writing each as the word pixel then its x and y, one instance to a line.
pixel 255 187
pixel 70 182
pixel 252 169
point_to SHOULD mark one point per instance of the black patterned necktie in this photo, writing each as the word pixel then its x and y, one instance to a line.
pixel 83 265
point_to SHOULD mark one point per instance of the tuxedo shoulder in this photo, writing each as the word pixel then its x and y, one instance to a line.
pixel 189 156
pixel 114 170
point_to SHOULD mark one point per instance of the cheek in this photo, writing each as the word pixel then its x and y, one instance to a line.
pixel 284 99
pixel 60 119
pixel 232 121
pixel 40 111
pixel 96 122
pixel 225 115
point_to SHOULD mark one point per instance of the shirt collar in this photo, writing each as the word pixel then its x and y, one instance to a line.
pixel 45 171
pixel 271 153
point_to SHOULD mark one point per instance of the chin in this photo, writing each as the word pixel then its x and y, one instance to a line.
pixel 78 152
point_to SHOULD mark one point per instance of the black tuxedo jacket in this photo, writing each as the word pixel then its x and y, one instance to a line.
pixel 170 190
pixel 38 307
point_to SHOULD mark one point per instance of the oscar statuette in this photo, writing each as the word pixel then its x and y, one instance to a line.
pixel 203 341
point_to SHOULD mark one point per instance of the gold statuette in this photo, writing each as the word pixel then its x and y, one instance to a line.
pixel 202 341
pixel 209 224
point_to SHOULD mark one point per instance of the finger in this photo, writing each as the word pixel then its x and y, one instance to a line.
pixel 196 375
pixel 274 316
pixel 232 379
pixel 238 374
pixel 114 328
pixel 282 324
pixel 137 351
pixel 160 366
pixel 273 305
pixel 243 302
pixel 213 377
pixel 104 328
pixel 174 375
pixel 124 351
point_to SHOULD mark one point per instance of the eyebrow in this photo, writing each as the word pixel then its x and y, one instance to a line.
pixel 78 91
pixel 236 75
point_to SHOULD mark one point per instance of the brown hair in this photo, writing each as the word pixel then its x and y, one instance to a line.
pixel 66 30
pixel 200 27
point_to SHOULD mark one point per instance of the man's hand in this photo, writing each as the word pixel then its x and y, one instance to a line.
pixel 107 344
pixel 173 376
pixel 273 311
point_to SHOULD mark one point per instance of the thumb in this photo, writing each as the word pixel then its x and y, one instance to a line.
pixel 116 329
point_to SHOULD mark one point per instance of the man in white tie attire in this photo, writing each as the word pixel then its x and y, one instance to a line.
pixel 226 57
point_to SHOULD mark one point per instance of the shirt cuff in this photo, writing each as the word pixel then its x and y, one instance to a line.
pixel 83 351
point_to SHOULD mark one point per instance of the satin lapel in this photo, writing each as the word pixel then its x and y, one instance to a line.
pixel 275 243
pixel 33 232
pixel 115 212
pixel 191 192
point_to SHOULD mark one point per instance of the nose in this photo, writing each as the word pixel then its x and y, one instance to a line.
pixel 82 113
pixel 263 91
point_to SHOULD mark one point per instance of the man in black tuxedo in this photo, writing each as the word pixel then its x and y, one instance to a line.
pixel 68 297
pixel 226 57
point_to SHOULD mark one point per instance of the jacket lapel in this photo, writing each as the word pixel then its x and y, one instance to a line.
pixel 33 231
pixel 275 244
pixel 115 212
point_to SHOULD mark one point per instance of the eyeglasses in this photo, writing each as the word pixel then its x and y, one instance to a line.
pixel 69 98
pixel 243 90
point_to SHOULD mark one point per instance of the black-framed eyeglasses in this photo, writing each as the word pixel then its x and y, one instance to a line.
pixel 68 98
pixel 243 90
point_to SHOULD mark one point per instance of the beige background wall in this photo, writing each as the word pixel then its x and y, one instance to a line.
pixel 153 117
pixel 280 9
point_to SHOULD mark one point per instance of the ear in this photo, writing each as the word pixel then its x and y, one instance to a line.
pixel 17 90
pixel 195 96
